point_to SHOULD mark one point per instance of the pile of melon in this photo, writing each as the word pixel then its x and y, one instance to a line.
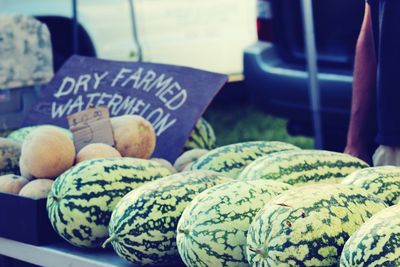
pixel 282 206
pixel 259 203
pixel 33 157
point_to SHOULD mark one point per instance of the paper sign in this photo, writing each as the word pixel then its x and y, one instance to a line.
pixel 172 98
pixel 91 126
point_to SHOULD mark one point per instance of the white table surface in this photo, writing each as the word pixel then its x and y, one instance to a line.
pixel 60 255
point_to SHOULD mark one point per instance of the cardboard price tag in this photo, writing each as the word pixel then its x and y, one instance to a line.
pixel 91 126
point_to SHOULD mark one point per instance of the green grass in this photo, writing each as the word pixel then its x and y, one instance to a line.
pixel 239 123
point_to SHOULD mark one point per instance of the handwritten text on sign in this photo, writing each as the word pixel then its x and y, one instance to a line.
pixel 172 98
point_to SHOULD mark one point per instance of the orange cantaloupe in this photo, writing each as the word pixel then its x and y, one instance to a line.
pixel 37 189
pixel 11 183
pixel 134 136
pixel 96 151
pixel 47 152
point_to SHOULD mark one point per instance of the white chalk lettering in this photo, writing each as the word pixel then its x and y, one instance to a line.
pixel 58 110
pixel 144 110
pixel 155 116
pixel 76 106
pixel 102 99
pixel 98 78
pixel 163 124
pixel 160 84
pixel 120 76
pixel 137 107
pixel 134 77
pixel 177 101
pixel 148 78
pixel 169 91
pixel 126 105
pixel 91 98
pixel 113 104
pixel 83 81
pixel 67 86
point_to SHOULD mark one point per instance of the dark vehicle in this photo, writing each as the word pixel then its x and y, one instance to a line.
pixel 275 67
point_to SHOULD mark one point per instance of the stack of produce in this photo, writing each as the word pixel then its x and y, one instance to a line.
pixel 299 167
pixel 82 199
pixel 232 159
pixel 21 134
pixel 143 225
pixel 376 243
pixel 382 181
pixel 236 206
pixel 309 225
pixel 46 151
pixel 212 230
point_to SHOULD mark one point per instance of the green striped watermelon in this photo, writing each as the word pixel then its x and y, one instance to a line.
pixel 232 159
pixel 10 153
pixel 202 136
pixel 20 135
pixel 298 167
pixel 376 243
pixel 308 225
pixel 212 230
pixel 82 199
pixel 382 181
pixel 143 225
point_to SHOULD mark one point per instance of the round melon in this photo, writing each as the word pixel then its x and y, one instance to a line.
pixel 202 136
pixel 20 135
pixel 212 230
pixel 82 199
pixel 376 243
pixel 47 152
pixel 11 183
pixel 37 189
pixel 232 159
pixel 10 153
pixel 134 136
pixel 299 167
pixel 96 151
pixel 143 225
pixel 24 172
pixel 382 181
pixel 309 225
pixel 166 164
pixel 188 157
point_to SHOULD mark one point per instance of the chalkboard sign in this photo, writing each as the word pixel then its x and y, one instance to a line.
pixel 172 98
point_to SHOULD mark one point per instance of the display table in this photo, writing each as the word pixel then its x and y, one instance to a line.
pixel 60 255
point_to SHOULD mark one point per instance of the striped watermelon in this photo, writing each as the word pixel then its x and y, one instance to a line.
pixel 212 230
pixel 143 225
pixel 10 153
pixel 308 226
pixel 232 159
pixel 382 181
pixel 82 199
pixel 202 136
pixel 376 243
pixel 300 167
pixel 20 134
